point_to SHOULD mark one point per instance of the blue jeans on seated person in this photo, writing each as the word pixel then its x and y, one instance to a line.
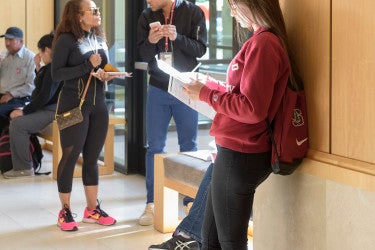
pixel 192 223
pixel 160 108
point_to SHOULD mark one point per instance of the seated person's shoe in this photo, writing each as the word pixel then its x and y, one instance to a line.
pixel 65 220
pixel 147 218
pixel 176 242
pixel 18 173
pixel 98 216
pixel 187 207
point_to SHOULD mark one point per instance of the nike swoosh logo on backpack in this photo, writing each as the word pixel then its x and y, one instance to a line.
pixel 299 143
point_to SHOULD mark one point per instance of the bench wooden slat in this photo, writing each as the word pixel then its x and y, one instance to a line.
pixel 105 168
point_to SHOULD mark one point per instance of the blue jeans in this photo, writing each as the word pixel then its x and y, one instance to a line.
pixel 235 177
pixel 192 223
pixel 160 108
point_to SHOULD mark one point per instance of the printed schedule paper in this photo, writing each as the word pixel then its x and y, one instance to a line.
pixel 176 82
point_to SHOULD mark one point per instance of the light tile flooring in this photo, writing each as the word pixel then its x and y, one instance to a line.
pixel 29 207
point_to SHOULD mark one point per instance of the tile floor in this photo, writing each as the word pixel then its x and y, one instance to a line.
pixel 29 208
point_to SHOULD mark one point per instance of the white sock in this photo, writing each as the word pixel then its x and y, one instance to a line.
pixel 186 236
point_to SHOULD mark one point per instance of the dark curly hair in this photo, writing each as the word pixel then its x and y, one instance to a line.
pixel 46 41
pixel 70 21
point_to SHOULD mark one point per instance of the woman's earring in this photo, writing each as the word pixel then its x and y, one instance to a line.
pixel 80 21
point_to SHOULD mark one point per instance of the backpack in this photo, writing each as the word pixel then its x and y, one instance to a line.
pixel 5 157
pixel 36 153
pixel 289 132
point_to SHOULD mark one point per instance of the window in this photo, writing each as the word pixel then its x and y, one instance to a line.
pixel 220 50
pixel 219 26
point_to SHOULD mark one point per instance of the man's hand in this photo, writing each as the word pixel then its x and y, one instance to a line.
pixel 155 34
pixel 16 113
pixel 6 98
pixel 169 31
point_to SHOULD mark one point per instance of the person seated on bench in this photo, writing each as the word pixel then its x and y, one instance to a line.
pixel 188 233
pixel 16 75
pixel 36 115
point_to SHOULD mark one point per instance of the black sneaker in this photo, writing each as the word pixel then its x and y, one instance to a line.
pixel 177 242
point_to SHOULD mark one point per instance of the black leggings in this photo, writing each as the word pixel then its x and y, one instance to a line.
pixel 235 177
pixel 87 137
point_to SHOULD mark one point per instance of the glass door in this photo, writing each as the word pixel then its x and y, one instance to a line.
pixel 219 53
pixel 113 22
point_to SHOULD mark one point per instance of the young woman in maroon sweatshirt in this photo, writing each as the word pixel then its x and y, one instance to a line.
pixel 256 81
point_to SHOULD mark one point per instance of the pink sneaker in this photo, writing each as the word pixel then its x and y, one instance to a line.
pixel 66 221
pixel 98 216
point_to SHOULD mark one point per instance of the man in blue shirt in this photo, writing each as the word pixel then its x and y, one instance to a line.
pixel 17 73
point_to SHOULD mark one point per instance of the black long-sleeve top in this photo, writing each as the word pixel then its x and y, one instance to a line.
pixel 46 91
pixel 71 64
pixel 190 42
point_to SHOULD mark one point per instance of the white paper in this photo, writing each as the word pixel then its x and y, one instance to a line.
pixel 118 74
pixel 176 83
pixel 172 71
pixel 175 88
pixel 205 155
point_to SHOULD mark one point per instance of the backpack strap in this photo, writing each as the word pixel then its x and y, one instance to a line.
pixel 275 165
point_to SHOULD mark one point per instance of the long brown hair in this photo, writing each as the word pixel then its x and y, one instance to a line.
pixel 70 21
pixel 268 14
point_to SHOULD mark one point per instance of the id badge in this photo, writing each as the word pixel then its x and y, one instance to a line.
pixel 166 57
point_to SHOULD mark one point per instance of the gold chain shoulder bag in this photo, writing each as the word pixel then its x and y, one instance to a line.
pixel 73 116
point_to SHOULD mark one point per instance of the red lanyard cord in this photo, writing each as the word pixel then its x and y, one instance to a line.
pixel 166 45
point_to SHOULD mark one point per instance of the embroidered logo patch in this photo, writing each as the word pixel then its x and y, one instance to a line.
pixel 235 66
pixel 297 119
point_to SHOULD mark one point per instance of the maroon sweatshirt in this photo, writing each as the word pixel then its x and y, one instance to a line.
pixel 256 80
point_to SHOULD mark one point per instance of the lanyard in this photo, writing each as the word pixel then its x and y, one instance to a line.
pixel 94 49
pixel 166 45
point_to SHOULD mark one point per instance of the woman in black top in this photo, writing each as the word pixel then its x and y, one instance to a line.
pixel 79 48
pixel 36 115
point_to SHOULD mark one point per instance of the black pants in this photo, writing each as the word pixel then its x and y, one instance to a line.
pixel 87 137
pixel 235 177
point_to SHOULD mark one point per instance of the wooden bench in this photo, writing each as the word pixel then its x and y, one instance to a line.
pixel 168 184
pixel 52 143
pixel 176 174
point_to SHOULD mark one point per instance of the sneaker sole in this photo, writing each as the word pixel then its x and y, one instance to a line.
pixel 68 230
pixel 18 177
pixel 159 248
pixel 145 223
pixel 93 221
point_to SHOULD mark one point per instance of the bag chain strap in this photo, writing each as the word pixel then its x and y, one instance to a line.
pixel 83 95
pixel 86 88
